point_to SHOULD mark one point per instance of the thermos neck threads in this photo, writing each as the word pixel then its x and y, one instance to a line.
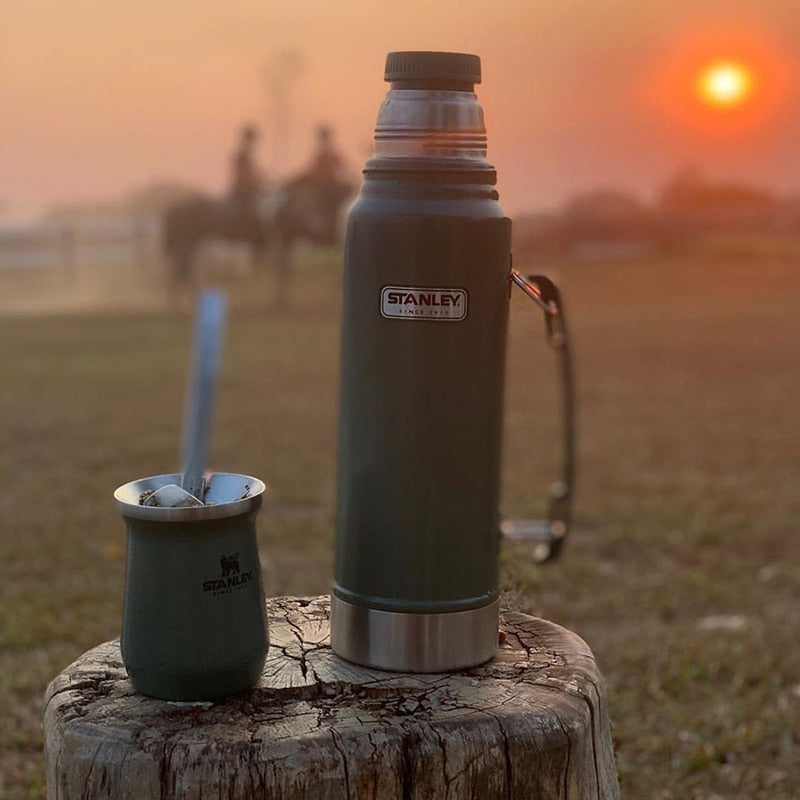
pixel 431 119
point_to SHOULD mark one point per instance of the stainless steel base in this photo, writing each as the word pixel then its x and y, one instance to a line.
pixel 414 642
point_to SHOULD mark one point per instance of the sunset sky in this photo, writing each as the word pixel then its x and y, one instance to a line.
pixel 97 98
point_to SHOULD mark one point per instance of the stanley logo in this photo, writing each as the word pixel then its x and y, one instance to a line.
pixel 416 302
pixel 231 578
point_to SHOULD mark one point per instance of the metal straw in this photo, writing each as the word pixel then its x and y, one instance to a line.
pixel 207 349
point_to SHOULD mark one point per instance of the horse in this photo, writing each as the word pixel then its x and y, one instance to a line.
pixel 300 210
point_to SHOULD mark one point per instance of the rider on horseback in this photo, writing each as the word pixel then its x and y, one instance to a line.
pixel 246 179
pixel 307 208
pixel 326 165
pixel 322 184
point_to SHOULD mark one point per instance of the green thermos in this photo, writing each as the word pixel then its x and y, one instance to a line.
pixel 427 284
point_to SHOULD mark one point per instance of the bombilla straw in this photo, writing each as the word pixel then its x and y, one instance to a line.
pixel 207 350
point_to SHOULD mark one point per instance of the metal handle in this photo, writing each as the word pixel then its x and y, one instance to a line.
pixel 549 534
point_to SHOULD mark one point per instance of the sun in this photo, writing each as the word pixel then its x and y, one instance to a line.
pixel 725 84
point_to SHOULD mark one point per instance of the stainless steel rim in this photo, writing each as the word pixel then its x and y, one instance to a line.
pixel 414 642
pixel 229 494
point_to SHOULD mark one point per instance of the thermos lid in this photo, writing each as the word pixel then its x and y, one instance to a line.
pixel 432 70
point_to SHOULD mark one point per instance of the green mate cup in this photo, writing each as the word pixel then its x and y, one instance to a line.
pixel 194 623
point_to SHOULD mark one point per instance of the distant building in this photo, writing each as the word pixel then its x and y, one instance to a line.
pixel 691 204
pixel 613 224
pixel 604 223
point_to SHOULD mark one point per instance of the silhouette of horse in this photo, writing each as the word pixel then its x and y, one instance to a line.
pixel 280 219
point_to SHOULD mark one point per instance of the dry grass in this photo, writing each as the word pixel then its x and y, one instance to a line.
pixel 683 571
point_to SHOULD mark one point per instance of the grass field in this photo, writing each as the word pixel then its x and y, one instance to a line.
pixel 683 570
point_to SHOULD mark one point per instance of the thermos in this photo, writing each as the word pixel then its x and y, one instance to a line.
pixel 427 282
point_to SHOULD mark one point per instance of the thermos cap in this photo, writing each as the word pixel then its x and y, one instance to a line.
pixel 425 67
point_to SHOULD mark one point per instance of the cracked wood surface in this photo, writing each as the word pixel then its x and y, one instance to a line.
pixel 532 723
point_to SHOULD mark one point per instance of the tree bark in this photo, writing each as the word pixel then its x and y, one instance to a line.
pixel 532 723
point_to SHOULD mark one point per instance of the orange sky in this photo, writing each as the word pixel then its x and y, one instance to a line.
pixel 97 97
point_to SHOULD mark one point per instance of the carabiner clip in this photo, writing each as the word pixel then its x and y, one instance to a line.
pixel 549 534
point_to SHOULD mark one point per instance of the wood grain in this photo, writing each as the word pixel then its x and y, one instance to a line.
pixel 532 723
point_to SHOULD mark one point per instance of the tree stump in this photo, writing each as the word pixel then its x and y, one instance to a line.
pixel 532 723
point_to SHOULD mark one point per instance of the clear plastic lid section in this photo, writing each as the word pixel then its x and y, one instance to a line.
pixel 228 495
pixel 431 111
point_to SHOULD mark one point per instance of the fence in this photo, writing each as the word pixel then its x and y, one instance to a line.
pixel 65 245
